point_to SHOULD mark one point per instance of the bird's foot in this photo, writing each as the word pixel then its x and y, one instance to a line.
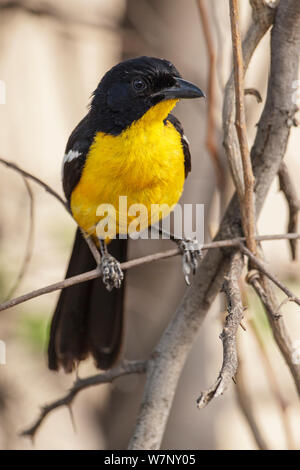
pixel 112 274
pixel 191 254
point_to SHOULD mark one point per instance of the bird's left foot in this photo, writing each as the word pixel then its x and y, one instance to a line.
pixel 191 254
pixel 112 274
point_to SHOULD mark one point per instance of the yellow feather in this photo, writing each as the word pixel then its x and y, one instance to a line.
pixel 145 163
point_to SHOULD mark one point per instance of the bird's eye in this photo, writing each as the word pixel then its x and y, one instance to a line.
pixel 139 85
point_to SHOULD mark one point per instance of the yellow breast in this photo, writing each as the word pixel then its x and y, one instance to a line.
pixel 145 163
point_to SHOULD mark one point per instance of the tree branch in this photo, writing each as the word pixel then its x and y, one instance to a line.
pixel 126 368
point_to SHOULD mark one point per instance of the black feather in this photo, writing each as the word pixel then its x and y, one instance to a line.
pixel 185 146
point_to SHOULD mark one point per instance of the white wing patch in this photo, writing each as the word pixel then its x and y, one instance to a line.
pixel 68 157
pixel 184 137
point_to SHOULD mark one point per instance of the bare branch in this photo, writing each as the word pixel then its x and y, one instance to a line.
pixel 289 190
pixel 247 195
pixel 93 274
pixel 228 335
pixel 29 243
pixel 126 368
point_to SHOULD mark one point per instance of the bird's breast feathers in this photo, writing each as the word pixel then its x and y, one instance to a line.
pixel 145 163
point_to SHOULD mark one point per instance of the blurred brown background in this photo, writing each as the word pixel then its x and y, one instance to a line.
pixel 52 55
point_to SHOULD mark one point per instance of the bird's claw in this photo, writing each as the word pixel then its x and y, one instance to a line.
pixel 112 274
pixel 191 254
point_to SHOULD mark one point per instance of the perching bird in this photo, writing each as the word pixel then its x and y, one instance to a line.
pixel 127 145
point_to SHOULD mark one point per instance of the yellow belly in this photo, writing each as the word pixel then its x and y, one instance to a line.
pixel 145 163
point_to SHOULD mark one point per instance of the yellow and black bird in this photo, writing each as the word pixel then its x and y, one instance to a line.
pixel 127 145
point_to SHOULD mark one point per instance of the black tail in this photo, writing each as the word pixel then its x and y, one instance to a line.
pixel 88 318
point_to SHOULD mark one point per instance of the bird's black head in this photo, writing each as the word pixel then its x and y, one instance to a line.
pixel 131 88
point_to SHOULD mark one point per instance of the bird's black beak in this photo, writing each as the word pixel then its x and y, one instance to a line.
pixel 181 89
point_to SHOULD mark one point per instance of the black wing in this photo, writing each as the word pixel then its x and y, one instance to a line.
pixel 75 155
pixel 185 144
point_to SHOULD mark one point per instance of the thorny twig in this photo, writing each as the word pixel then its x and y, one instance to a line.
pixel 235 315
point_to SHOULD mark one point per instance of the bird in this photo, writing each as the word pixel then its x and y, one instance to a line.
pixel 128 144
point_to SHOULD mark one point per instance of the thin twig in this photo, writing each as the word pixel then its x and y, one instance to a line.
pixel 126 368
pixel 35 179
pixel 253 92
pixel 29 243
pixel 289 190
pixel 247 200
pixel 228 335
pixel 211 96
pixel 219 26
